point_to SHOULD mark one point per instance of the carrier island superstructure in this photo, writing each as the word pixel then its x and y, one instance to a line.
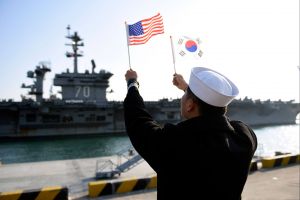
pixel 83 108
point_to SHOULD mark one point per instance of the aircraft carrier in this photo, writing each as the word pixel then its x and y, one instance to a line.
pixel 83 108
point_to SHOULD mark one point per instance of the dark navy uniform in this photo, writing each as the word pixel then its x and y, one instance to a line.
pixel 206 157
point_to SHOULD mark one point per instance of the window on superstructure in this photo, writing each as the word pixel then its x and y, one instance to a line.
pixel 30 117
pixel 67 118
pixel 50 118
pixel 91 118
pixel 101 118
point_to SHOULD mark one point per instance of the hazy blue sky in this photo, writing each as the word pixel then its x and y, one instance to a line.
pixel 254 42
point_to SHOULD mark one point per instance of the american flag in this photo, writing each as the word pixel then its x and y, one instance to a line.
pixel 142 31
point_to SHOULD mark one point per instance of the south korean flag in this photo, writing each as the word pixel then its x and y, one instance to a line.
pixel 187 47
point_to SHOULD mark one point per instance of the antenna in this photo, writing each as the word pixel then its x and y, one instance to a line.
pixel 68 30
pixel 93 66
pixel 76 42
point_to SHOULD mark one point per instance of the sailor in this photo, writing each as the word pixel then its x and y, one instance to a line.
pixel 205 156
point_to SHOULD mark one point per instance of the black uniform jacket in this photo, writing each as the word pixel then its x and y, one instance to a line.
pixel 200 158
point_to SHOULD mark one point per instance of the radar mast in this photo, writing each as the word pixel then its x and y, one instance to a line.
pixel 82 87
pixel 75 44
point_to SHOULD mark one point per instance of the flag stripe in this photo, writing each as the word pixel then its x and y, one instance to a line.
pixel 142 31
pixel 155 16
pixel 145 37
pixel 154 23
pixel 153 29
pixel 154 19
pixel 156 28
pixel 145 40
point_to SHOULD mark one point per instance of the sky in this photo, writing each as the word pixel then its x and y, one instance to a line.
pixel 255 43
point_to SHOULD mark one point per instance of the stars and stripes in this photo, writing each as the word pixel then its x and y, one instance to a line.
pixel 142 31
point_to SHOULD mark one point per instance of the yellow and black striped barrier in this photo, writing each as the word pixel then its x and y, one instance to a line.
pixel 46 193
pixel 281 160
pixel 100 188
pixel 108 187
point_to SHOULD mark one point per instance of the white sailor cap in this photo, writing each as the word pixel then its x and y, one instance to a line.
pixel 212 87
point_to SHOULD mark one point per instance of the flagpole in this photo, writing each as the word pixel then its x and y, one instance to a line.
pixel 126 28
pixel 172 47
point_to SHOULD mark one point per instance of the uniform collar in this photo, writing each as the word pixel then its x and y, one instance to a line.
pixel 219 122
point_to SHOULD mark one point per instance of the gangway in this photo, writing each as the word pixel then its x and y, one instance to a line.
pixel 127 158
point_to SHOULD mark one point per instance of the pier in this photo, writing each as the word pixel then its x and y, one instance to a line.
pixel 279 179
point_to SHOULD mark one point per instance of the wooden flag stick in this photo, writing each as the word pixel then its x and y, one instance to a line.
pixel 126 27
pixel 172 47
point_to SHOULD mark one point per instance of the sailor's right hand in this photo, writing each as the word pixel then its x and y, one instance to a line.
pixel 179 82
pixel 130 74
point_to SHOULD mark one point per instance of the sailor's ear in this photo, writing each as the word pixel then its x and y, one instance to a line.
pixel 190 105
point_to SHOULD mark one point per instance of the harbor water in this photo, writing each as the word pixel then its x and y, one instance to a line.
pixel 271 139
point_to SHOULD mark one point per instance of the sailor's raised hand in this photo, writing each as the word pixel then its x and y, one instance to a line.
pixel 179 82
pixel 131 74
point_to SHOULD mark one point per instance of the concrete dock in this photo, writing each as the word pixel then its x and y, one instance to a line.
pixel 73 174
pixel 279 183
